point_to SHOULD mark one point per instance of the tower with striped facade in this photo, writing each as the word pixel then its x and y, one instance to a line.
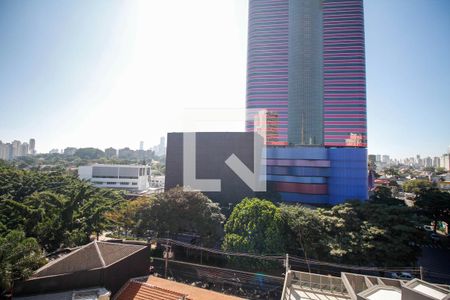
pixel 306 77
pixel 306 64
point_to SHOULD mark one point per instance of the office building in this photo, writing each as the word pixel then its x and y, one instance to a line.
pixel 306 64
pixel 436 162
pixel 128 177
pixel 306 76
pixel 445 162
pixel 32 148
pixel 306 95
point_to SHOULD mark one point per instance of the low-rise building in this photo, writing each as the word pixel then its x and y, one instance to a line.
pixel 302 285
pixel 128 177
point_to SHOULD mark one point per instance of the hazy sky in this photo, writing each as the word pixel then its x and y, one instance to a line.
pixel 112 73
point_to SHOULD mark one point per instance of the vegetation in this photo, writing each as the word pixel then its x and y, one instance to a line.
pixel 255 226
pixel 416 185
pixel 85 156
pixel 53 209
pixel 19 257
pixel 172 212
pixel 371 234
pixel 434 204
pixel 47 210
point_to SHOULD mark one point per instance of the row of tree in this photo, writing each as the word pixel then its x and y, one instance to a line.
pixel 379 232
pixel 51 210
pixel 44 211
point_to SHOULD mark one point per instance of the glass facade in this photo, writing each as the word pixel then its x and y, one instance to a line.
pixel 306 71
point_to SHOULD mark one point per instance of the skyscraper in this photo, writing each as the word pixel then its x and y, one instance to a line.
pixel 32 148
pixel 306 77
pixel 306 64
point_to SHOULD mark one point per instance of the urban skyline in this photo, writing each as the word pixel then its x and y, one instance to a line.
pixel 61 104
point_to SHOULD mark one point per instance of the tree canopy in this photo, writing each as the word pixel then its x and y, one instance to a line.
pixel 56 208
pixel 254 226
pixel 19 257
pixel 434 204
pixel 416 185
pixel 371 233
pixel 175 211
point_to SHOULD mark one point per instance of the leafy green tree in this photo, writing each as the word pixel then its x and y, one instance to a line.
pixel 56 208
pixel 416 185
pixel 89 153
pixel 128 216
pixel 306 231
pixel 440 171
pixel 383 195
pixel 434 204
pixel 177 211
pixel 392 171
pixel 374 233
pixel 19 257
pixel 255 226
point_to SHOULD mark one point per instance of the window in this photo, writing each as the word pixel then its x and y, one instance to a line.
pixel 134 183
pixel 111 183
pixel 124 183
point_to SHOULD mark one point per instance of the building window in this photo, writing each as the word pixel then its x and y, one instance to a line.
pixel 111 183
pixel 134 183
pixel 124 183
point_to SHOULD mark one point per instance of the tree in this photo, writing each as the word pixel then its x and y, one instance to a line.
pixel 128 215
pixel 89 153
pixel 374 233
pixel 54 207
pixel 177 211
pixel 19 257
pixel 255 226
pixel 383 195
pixel 416 185
pixel 440 171
pixel 305 231
pixel 435 205
pixel 392 171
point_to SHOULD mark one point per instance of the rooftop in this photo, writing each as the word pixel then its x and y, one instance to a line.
pixel 302 285
pixel 91 256
pixel 158 288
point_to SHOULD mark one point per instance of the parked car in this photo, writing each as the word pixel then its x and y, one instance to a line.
pixel 428 227
pixel 402 276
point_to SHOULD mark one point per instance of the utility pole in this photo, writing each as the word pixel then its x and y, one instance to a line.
pixel 167 252
pixel 287 263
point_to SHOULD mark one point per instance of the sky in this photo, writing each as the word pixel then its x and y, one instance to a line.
pixel 113 73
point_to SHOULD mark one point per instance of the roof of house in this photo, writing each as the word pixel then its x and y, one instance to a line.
pixel 163 289
pixel 86 294
pixel 91 256
pixel 142 290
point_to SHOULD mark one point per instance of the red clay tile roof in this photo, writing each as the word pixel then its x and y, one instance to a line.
pixel 143 291
pixel 162 289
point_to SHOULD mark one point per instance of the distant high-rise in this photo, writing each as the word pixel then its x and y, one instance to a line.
pixel 306 64
pixel 32 147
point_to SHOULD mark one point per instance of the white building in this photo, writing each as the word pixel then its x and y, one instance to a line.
pixel 445 162
pixel 130 177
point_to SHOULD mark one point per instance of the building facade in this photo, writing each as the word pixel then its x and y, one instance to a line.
pixel 306 64
pixel 127 177
pixel 306 95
